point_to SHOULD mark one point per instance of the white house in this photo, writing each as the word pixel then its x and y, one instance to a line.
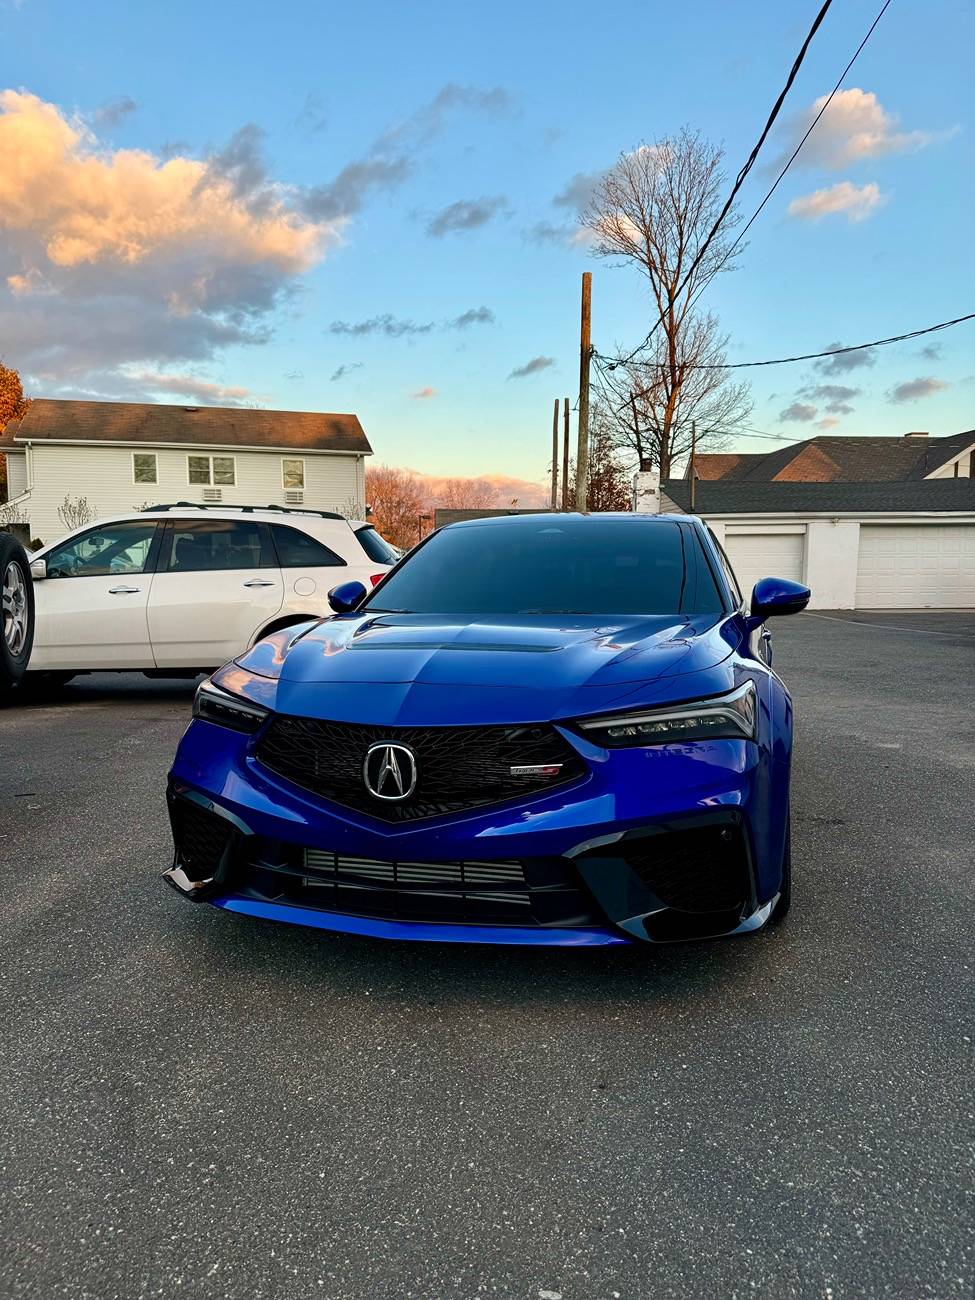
pixel 120 456
pixel 866 523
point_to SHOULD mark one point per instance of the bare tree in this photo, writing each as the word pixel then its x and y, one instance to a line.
pixel 75 513
pixel 467 494
pixel 654 209
pixel 396 498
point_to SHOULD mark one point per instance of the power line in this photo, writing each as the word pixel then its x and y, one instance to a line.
pixel 740 179
pixel 830 352
pixel 809 130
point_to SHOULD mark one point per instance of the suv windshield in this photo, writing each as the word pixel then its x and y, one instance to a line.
pixel 554 565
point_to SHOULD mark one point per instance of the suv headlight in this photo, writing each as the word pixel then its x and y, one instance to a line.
pixel 723 717
pixel 226 710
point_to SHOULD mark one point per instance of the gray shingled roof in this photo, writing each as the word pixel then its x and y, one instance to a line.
pixel 720 498
pixel 216 426
pixel 858 460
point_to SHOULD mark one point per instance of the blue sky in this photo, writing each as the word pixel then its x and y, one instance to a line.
pixel 396 162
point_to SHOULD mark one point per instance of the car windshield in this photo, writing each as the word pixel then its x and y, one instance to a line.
pixel 554 565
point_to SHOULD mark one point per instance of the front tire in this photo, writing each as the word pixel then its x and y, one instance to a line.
pixel 17 622
pixel 781 909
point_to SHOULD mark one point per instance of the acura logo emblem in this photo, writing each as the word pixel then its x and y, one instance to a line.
pixel 389 771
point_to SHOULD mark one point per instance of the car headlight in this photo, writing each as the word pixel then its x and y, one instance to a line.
pixel 723 717
pixel 226 710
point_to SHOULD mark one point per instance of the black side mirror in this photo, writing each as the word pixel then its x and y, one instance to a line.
pixel 345 598
pixel 773 596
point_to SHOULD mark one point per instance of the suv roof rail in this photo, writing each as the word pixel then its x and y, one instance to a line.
pixel 247 510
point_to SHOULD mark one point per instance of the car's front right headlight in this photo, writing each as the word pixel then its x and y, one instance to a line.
pixel 723 717
pixel 214 705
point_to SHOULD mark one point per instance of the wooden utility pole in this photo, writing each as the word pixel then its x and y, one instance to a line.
pixel 585 355
pixel 565 455
pixel 555 457
pixel 693 470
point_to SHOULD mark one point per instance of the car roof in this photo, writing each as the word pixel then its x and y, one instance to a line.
pixel 542 518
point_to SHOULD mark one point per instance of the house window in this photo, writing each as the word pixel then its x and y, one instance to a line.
pixel 211 471
pixel 144 467
pixel 292 472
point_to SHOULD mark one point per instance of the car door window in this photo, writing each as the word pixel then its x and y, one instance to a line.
pixel 297 550
pixel 201 546
pixel 729 572
pixel 104 552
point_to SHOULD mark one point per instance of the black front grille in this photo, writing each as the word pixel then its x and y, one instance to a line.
pixel 202 838
pixel 533 892
pixel 457 767
pixel 703 869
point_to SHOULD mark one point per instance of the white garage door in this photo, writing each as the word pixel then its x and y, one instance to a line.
pixel 916 566
pixel 764 555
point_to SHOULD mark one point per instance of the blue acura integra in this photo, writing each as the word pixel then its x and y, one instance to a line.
pixel 542 729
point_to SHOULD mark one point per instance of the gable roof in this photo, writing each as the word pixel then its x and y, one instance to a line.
pixel 841 460
pixel 47 419
pixel 725 465
pixel 809 498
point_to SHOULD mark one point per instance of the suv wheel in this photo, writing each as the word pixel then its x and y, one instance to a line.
pixel 17 592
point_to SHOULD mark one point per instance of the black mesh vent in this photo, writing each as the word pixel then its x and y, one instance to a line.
pixel 700 870
pixel 457 767
pixel 533 892
pixel 201 838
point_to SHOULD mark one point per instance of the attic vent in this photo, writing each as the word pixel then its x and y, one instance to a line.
pixel 191 409
pixel 294 497
pixel 212 494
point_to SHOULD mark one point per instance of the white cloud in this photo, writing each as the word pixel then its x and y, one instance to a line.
pixel 192 387
pixel 423 394
pixel 854 127
pixel 801 412
pixel 114 257
pixel 914 389
pixel 854 202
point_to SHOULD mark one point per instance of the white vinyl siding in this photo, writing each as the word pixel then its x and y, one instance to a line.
pixel 755 555
pixel 103 475
pixel 916 566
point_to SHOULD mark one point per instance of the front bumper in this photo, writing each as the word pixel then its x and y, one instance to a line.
pixel 655 844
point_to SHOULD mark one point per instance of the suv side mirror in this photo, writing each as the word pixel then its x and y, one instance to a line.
pixel 773 596
pixel 346 596
pixel 38 569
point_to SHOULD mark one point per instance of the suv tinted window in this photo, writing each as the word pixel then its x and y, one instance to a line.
pixel 299 551
pixel 103 552
pixel 195 546
pixel 729 572
pixel 552 566
pixel 376 547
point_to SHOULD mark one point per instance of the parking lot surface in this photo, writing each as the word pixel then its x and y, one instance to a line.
pixel 199 1104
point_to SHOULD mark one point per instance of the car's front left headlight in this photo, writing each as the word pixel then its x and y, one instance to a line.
pixel 723 717
pixel 226 710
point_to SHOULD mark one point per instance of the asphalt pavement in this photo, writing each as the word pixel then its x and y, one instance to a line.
pixel 199 1104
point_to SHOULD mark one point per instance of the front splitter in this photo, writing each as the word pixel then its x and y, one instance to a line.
pixel 419 931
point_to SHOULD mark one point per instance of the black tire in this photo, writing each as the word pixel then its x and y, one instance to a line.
pixel 17 618
pixel 781 909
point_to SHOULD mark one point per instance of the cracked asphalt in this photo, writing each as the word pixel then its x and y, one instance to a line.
pixel 199 1104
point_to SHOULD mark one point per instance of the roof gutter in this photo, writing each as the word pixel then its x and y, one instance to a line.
pixel 191 447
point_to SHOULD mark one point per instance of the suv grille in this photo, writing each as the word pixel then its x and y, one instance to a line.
pixel 457 767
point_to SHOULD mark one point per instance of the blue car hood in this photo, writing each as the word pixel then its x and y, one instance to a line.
pixel 413 669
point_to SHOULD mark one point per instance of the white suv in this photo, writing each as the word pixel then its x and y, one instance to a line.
pixel 182 588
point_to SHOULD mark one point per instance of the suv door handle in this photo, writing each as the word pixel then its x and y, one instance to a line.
pixel 123 591
pixel 260 582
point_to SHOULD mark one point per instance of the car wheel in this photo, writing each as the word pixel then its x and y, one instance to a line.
pixel 17 593
pixel 781 908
